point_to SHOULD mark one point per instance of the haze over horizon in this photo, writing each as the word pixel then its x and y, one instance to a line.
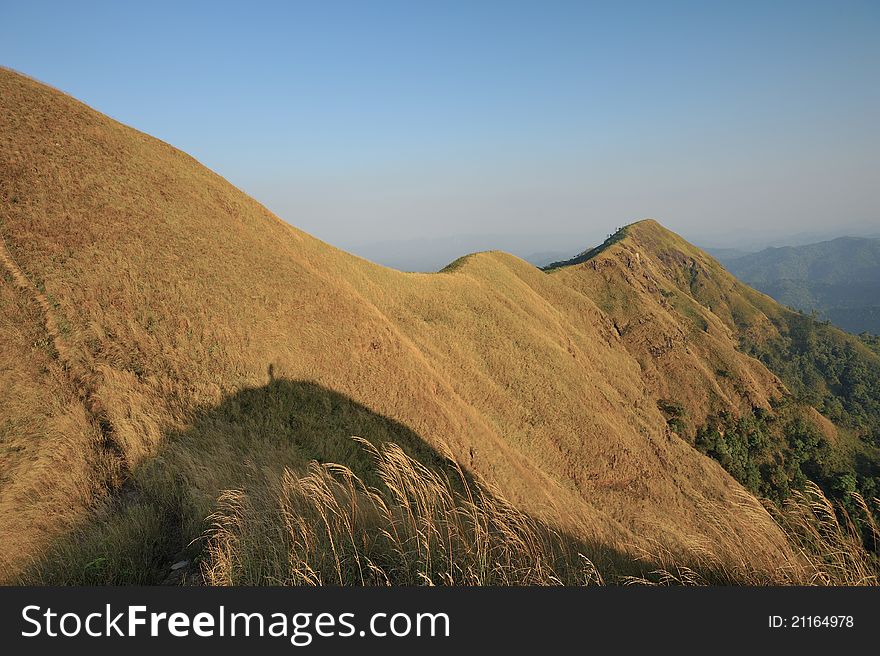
pixel 363 124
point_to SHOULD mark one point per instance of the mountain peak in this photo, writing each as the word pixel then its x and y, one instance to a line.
pixel 649 233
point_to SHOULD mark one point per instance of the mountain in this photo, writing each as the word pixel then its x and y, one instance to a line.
pixel 171 353
pixel 747 242
pixel 832 377
pixel 838 279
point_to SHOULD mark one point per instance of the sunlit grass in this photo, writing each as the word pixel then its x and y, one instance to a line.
pixel 421 527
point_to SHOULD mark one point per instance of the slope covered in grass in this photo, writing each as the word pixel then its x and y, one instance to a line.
pixel 821 419
pixel 169 341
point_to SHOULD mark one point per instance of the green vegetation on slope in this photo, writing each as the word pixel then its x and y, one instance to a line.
pixel 839 376
pixel 774 453
pixel 590 253
pixel 871 341
pixel 827 369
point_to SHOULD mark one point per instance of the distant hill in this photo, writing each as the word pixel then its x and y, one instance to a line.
pixel 179 368
pixel 837 279
pixel 725 255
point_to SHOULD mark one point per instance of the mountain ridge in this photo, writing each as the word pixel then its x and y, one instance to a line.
pixel 174 293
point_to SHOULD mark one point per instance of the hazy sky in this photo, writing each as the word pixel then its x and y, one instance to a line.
pixel 361 121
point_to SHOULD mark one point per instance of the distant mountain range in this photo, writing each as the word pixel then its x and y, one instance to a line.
pixel 838 279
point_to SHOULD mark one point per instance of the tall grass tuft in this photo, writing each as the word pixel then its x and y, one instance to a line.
pixel 427 527
pixel 419 527
pixel 825 545
pixel 830 540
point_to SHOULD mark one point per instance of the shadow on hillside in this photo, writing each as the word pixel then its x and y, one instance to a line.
pixel 247 441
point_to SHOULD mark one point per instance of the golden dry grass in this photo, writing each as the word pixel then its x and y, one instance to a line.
pixel 420 528
pixel 826 546
pixel 170 294
pixel 424 527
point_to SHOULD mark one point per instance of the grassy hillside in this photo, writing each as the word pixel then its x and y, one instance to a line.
pixel 822 425
pixel 839 279
pixel 174 355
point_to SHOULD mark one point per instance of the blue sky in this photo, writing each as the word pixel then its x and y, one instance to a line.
pixel 361 121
